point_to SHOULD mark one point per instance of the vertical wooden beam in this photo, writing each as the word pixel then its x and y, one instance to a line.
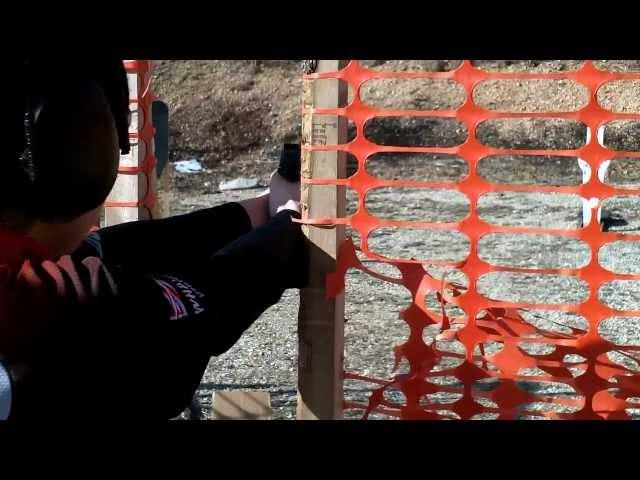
pixel 321 320
pixel 132 187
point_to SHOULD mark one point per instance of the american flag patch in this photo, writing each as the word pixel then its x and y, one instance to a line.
pixel 177 306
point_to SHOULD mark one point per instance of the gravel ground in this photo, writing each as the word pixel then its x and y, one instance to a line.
pixel 265 358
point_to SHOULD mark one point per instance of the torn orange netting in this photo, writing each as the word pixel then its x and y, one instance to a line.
pixel 604 389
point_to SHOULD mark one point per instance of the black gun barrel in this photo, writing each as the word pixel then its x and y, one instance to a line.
pixel 289 167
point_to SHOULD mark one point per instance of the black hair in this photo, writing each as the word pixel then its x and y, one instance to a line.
pixel 50 173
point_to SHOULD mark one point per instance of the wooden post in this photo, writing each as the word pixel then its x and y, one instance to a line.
pixel 321 320
pixel 131 187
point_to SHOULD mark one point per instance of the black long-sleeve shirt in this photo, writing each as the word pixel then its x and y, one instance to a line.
pixel 138 309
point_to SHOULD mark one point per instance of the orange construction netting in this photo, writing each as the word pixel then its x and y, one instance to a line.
pixel 606 389
pixel 141 160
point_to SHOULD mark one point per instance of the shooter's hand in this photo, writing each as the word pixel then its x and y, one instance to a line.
pixel 283 195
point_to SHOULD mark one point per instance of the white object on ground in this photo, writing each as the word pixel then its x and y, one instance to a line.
pixel 586 170
pixel 239 184
pixel 602 171
pixel 587 207
pixel 188 166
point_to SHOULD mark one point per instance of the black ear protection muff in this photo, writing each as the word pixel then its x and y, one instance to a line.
pixel 60 174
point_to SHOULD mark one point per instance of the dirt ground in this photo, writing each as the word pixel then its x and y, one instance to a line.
pixel 233 116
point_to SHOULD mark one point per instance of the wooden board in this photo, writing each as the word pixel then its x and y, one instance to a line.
pixel 321 320
pixel 241 405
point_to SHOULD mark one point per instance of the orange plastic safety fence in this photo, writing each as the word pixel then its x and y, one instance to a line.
pixel 605 389
pixel 141 135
